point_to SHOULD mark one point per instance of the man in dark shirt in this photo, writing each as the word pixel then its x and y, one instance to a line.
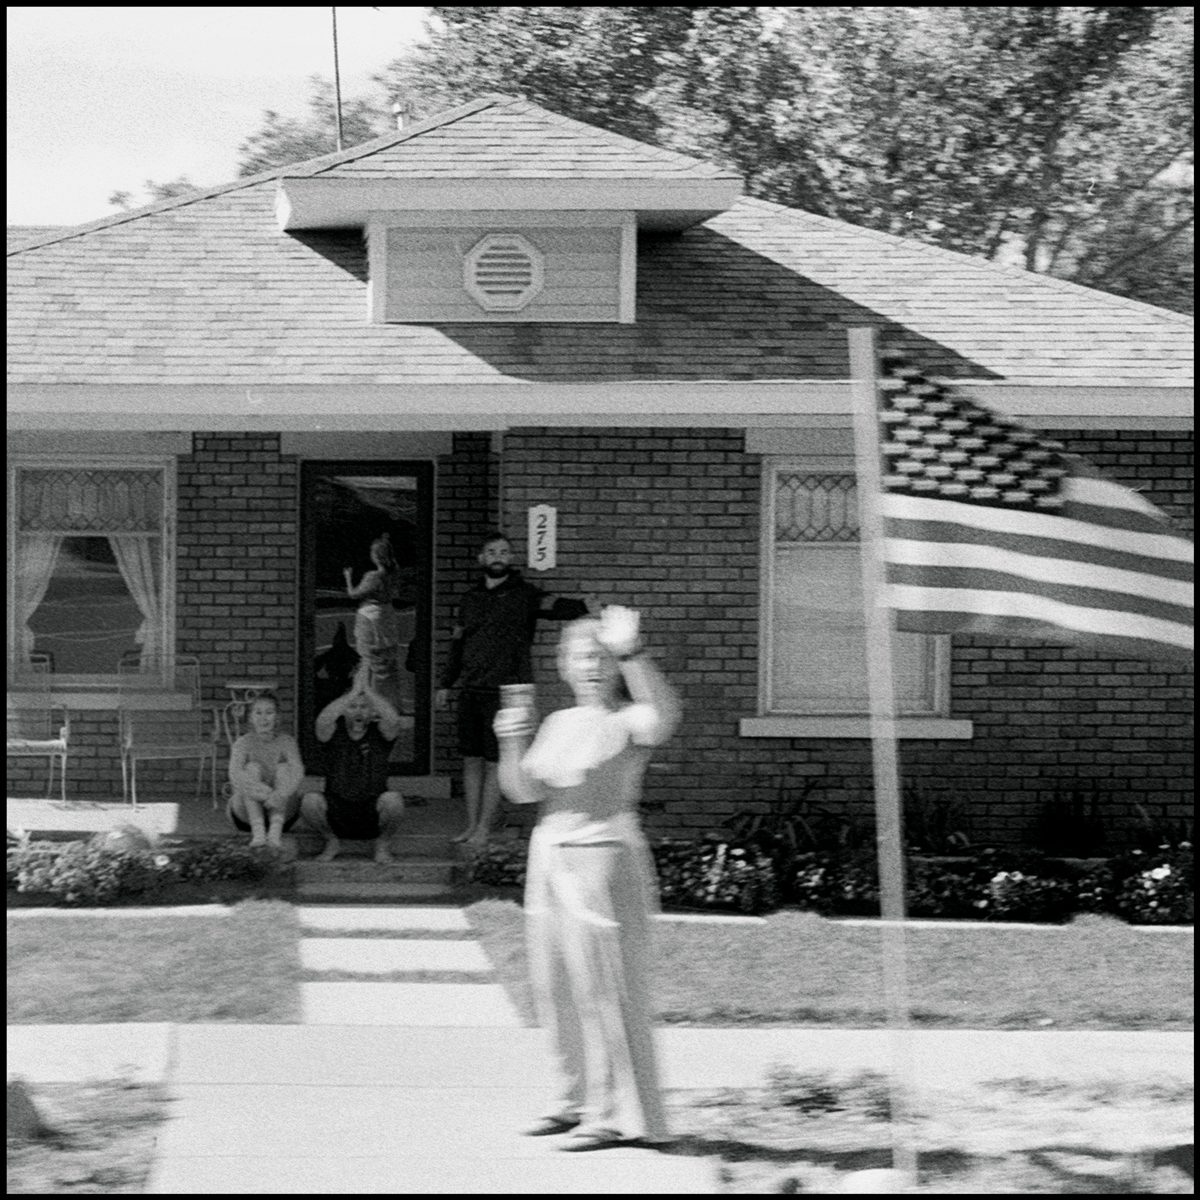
pixel 357 732
pixel 491 646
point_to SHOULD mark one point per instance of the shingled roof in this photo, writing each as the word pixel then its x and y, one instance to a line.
pixel 19 235
pixel 204 289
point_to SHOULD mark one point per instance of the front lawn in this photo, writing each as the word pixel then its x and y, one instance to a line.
pixel 239 966
pixel 100 1139
pixel 791 969
pixel 800 969
pixel 804 1132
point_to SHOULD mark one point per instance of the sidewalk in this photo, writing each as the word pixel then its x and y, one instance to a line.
pixel 340 1109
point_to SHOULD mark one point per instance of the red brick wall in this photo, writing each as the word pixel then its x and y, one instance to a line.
pixel 467 510
pixel 668 520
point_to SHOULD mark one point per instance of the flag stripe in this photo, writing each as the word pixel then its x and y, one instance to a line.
pixel 1112 518
pixel 991 625
pixel 1036 567
pixel 949 602
pixel 1019 521
pixel 1064 552
pixel 998 582
pixel 1106 494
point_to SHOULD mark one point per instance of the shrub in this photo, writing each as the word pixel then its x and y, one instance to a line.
pixel 856 886
pixel 86 873
pixel 1155 888
pixel 208 862
pixel 941 890
pixel 115 864
pixel 715 873
pixel 499 864
pixel 811 882
pixel 1015 896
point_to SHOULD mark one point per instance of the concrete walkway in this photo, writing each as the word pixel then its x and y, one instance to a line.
pixel 333 1109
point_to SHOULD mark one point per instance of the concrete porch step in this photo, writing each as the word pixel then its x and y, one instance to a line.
pixel 371 893
pixel 404 845
pixel 365 870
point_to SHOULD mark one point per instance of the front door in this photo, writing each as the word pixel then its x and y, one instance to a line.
pixel 367 529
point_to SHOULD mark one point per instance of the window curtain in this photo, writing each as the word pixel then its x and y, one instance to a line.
pixel 137 558
pixel 39 554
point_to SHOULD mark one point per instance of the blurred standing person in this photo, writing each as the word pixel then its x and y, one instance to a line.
pixel 376 624
pixel 591 890
pixel 491 646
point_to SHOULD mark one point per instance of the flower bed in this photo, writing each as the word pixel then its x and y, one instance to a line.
pixel 124 865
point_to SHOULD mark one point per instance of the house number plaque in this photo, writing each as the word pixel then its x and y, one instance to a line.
pixel 543 537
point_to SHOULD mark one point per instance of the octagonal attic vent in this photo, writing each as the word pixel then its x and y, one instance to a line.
pixel 503 272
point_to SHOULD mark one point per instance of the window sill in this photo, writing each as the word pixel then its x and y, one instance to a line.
pixel 852 727
pixel 104 700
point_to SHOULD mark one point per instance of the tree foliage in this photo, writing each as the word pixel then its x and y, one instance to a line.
pixel 153 192
pixel 281 140
pixel 1057 138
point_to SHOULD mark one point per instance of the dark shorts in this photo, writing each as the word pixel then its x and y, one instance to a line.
pixel 476 735
pixel 354 820
pixel 245 828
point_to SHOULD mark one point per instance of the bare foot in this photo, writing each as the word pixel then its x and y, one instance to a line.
pixel 477 843
pixel 258 840
pixel 332 846
pixel 465 836
pixel 383 854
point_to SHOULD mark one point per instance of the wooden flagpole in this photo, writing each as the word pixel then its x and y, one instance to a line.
pixel 889 824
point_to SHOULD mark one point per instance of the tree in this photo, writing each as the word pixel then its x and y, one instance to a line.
pixel 1057 138
pixel 282 140
pixel 181 185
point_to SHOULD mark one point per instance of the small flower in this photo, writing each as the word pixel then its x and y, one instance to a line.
pixel 1159 872
pixel 161 860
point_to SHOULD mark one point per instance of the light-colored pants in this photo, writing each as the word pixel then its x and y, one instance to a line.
pixel 588 926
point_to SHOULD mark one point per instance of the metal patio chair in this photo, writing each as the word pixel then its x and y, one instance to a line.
pixel 166 731
pixel 37 726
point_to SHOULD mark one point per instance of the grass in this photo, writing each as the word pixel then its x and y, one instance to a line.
pixel 798 969
pixel 802 1131
pixel 242 967
pixel 100 1139
pixel 792 969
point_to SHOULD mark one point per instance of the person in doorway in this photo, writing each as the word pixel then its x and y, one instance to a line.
pixel 357 732
pixel 376 624
pixel 491 646
pixel 265 773
pixel 590 885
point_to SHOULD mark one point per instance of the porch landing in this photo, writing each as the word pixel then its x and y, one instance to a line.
pixel 429 813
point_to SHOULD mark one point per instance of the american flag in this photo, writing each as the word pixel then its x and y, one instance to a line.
pixel 989 528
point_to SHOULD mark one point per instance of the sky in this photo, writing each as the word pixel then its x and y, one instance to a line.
pixel 102 99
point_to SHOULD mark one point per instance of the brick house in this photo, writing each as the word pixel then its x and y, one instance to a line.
pixel 215 402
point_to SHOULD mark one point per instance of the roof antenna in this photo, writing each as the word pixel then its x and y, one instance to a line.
pixel 337 81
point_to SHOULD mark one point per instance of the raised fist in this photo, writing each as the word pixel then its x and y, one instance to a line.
pixel 619 629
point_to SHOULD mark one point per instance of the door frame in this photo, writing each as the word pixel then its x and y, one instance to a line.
pixel 423 472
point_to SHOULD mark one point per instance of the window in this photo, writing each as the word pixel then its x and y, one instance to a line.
pixel 814 643
pixel 91 554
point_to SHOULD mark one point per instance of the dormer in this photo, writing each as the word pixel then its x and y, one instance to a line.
pixel 502 212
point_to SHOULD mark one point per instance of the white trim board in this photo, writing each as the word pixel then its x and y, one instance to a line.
pixel 467 406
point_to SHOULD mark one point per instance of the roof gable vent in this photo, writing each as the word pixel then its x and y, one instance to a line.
pixel 503 272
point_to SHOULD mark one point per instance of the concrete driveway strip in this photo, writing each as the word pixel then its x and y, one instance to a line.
pixel 73 1053
pixel 639 1173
